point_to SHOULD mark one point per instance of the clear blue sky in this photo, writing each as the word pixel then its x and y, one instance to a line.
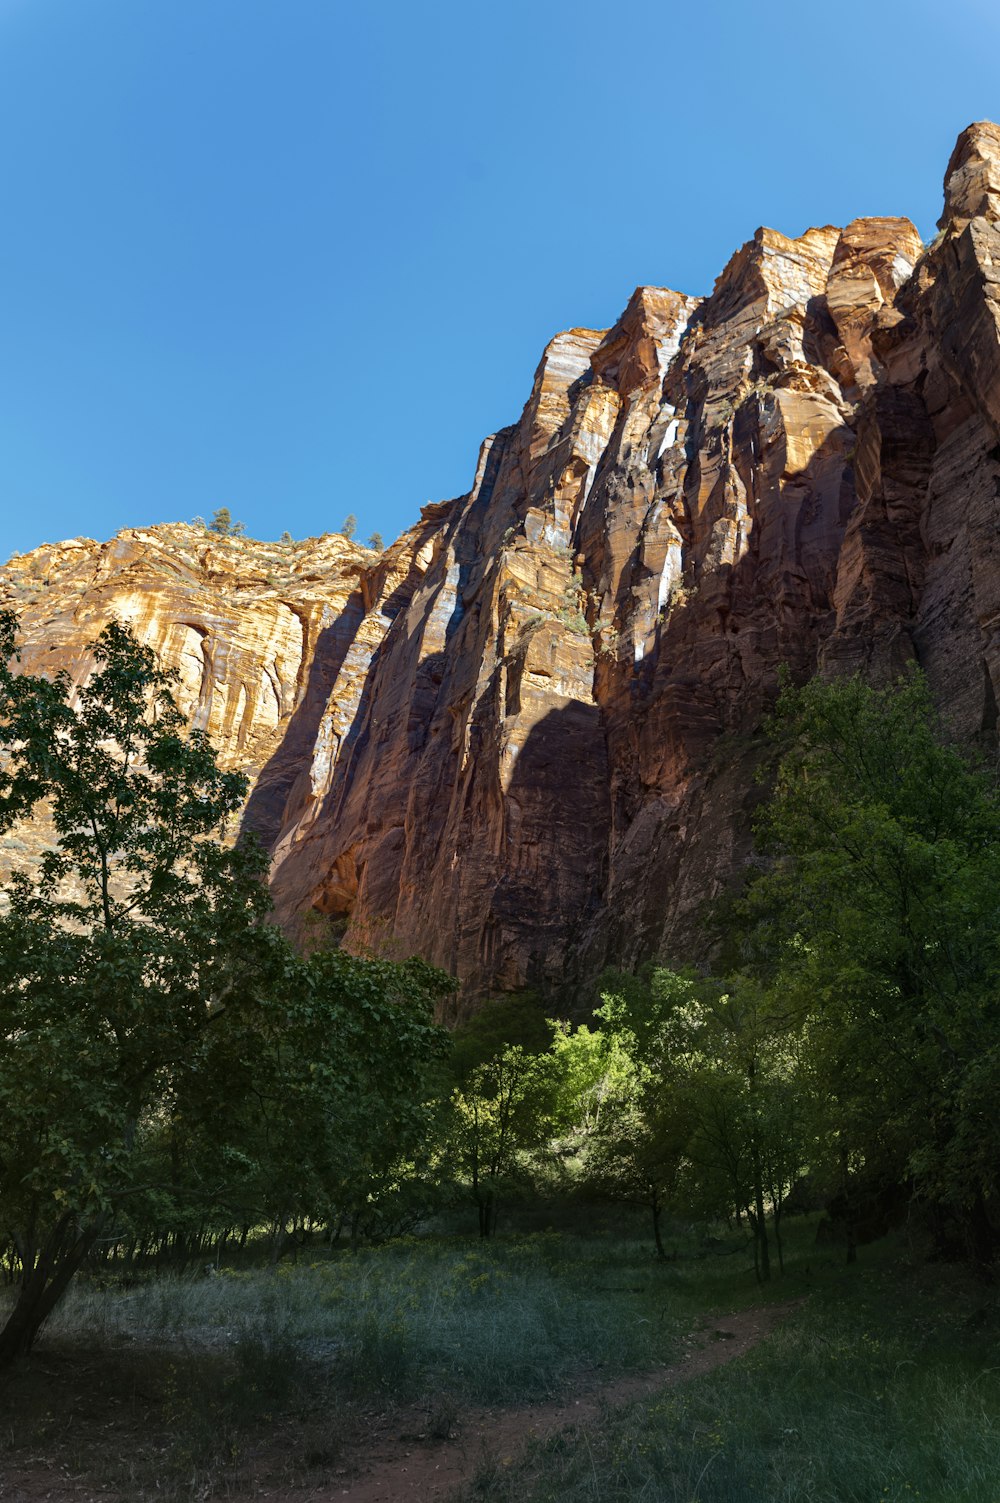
pixel 298 256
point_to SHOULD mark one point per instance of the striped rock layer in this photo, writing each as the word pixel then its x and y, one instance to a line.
pixel 522 741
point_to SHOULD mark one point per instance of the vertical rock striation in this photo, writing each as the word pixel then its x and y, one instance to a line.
pixel 522 741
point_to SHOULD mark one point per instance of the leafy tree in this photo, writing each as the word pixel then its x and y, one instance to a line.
pixel 286 539
pixel 349 526
pixel 221 522
pixel 375 541
pixel 163 1051
pixel 710 1114
pixel 137 931
pixel 879 919
pixel 740 1069
pixel 505 1110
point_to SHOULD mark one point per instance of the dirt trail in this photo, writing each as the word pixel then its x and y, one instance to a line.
pixel 398 1468
pixel 397 1462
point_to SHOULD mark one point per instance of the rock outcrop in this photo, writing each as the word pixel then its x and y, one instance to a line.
pixel 522 741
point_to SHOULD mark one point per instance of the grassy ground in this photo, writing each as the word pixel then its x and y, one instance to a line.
pixel 498 1322
pixel 881 1388
pixel 197 1369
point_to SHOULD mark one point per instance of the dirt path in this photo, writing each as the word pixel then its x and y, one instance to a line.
pixel 397 1461
pixel 400 1466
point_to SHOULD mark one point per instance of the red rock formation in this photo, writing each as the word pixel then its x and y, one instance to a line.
pixel 522 741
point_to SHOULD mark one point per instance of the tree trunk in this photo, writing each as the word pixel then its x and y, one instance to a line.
pixel 488 1209
pixel 760 1224
pixel 982 1236
pixel 43 1288
pixel 657 1208
pixel 777 1237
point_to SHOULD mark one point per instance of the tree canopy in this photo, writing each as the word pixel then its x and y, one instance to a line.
pixel 879 919
pixel 160 1042
pixel 856 1038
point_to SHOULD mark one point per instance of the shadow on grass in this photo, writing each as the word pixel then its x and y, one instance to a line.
pixel 175 1422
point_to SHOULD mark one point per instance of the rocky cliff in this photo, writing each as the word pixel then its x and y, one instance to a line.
pixel 522 740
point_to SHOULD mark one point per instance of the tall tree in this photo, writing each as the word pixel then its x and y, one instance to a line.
pixel 506 1102
pixel 712 1116
pixel 159 1041
pixel 879 915
pixel 133 935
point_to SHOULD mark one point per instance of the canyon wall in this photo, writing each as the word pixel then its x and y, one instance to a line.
pixel 522 741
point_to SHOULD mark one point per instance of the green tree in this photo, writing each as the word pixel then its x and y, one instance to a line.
pixel 131 938
pixel 375 542
pixel 328 1093
pixel 711 1115
pixel 878 918
pixel 740 1069
pixel 221 522
pixel 286 539
pixel 504 1111
pixel 349 526
pixel 163 1051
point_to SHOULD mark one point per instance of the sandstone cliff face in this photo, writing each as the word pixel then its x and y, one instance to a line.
pixel 522 741
pixel 272 644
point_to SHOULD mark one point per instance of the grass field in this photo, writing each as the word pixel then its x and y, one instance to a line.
pixel 881 1387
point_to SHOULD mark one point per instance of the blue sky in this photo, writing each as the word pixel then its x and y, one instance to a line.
pixel 297 257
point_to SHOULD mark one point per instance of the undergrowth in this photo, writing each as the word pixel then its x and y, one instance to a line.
pixel 882 1389
pixel 195 1369
pixel 500 1322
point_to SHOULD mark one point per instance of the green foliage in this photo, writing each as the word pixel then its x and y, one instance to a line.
pixel 138 931
pixel 349 526
pixel 286 540
pixel 504 1111
pixel 858 1039
pixel 515 1075
pixel 164 1055
pixel 518 1018
pixel 711 1112
pixel 877 922
pixel 328 1099
pixel 222 522
pixel 574 620
pixel 375 542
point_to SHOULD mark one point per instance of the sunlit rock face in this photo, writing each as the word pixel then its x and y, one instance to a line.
pixel 523 741
pixel 271 645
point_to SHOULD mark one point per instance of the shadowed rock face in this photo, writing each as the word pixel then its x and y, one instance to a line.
pixel 522 741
